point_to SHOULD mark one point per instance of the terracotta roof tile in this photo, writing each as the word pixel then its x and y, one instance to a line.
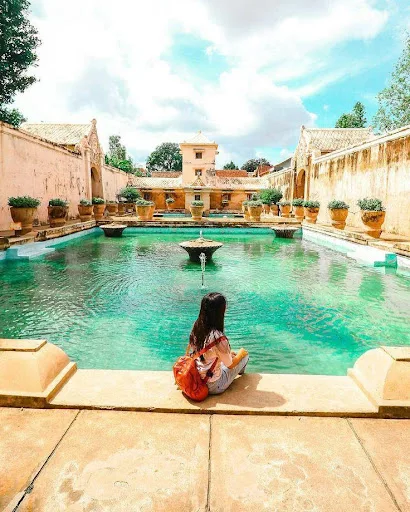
pixel 231 173
pixel 64 134
pixel 331 139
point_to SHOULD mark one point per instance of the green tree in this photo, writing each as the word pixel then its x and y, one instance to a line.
pixel 18 42
pixel 354 119
pixel 394 100
pixel 252 164
pixel 231 165
pixel 117 155
pixel 165 157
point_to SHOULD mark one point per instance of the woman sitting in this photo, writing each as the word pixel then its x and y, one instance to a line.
pixel 219 363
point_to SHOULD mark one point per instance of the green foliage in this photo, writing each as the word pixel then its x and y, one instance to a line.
pixel 85 202
pixel 298 202
pixel 285 203
pixel 354 119
pixel 117 156
pixel 394 100
pixel 23 202
pixel 170 200
pixel 270 195
pixel 371 204
pixel 245 202
pixel 98 200
pixel 252 164
pixel 130 194
pixel 254 203
pixel 57 202
pixel 336 204
pixel 111 202
pixel 11 116
pixel 311 204
pixel 143 202
pixel 230 165
pixel 197 203
pixel 165 157
pixel 18 43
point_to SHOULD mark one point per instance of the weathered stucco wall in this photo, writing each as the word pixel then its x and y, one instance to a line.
pixel 378 169
pixel 283 181
pixel 31 166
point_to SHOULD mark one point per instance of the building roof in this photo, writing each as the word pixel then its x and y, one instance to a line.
pixel 240 183
pixel 199 139
pixel 64 134
pixel 163 183
pixel 231 173
pixel 166 174
pixel 331 139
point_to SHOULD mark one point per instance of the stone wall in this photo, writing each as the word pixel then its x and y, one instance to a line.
pixel 31 166
pixel 283 181
pixel 380 168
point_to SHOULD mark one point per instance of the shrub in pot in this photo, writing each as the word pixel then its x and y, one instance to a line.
pixel 270 198
pixel 338 211
pixel 121 208
pixel 22 210
pixel 98 207
pixel 373 214
pixel 197 209
pixel 245 210
pixel 85 209
pixel 298 209
pixel 57 212
pixel 169 202
pixel 255 210
pixel 112 207
pixel 143 209
pixel 311 209
pixel 285 207
pixel 130 194
pixel 152 210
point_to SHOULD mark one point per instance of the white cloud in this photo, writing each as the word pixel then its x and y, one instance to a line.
pixel 110 60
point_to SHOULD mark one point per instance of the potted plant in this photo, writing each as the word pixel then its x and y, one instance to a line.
pixel 143 209
pixel 152 210
pixel 298 209
pixel 197 209
pixel 57 212
pixel 98 207
pixel 373 214
pixel 85 209
pixel 169 201
pixel 121 207
pixel 23 210
pixel 245 210
pixel 311 209
pixel 270 198
pixel 112 207
pixel 130 194
pixel 255 210
pixel 338 211
pixel 285 207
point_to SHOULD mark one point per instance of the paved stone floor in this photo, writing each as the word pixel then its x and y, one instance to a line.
pixel 69 460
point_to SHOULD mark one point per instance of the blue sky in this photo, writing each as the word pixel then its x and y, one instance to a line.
pixel 248 74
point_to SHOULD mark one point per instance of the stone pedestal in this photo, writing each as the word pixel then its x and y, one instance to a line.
pixel 284 231
pixel 383 374
pixel 31 372
pixel 113 230
pixel 195 247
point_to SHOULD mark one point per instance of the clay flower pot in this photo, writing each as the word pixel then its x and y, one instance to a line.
pixel 373 221
pixel 285 210
pixel 311 215
pixel 143 211
pixel 338 217
pixel 25 216
pixel 255 213
pixel 99 210
pixel 121 209
pixel 266 209
pixel 112 208
pixel 57 215
pixel 274 209
pixel 86 212
pixel 151 211
pixel 299 213
pixel 130 207
pixel 196 212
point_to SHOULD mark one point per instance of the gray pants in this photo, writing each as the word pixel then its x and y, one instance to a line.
pixel 227 377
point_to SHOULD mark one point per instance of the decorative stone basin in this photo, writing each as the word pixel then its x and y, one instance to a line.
pixel 201 245
pixel 113 230
pixel 285 231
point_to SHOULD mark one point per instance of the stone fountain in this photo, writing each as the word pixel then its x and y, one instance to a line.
pixel 201 245
pixel 113 230
pixel 285 231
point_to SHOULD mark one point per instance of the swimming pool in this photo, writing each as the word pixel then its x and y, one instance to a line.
pixel 129 303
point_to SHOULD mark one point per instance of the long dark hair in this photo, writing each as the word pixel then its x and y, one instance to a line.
pixel 211 317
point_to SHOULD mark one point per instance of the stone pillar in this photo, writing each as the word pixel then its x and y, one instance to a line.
pixel 86 152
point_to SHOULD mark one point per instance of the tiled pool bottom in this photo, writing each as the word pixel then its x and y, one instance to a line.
pixel 129 303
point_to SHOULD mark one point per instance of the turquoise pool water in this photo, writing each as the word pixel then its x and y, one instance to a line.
pixel 129 303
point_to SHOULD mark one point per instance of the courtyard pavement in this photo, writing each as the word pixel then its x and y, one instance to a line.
pixel 70 460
